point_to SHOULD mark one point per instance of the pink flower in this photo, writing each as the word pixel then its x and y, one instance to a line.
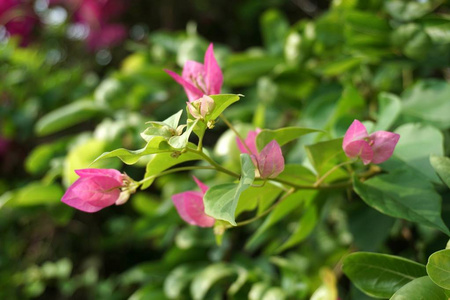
pixel 96 15
pixel 375 148
pixel 95 190
pixel 190 206
pixel 200 79
pixel 270 161
pixel 18 19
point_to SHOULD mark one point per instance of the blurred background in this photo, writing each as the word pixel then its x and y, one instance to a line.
pixel 81 77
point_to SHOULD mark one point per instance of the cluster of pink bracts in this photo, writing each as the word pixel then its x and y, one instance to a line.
pixel 96 189
pixel 19 19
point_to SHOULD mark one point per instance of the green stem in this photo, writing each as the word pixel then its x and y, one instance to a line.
pixel 225 120
pixel 213 163
pixel 321 179
pixel 174 171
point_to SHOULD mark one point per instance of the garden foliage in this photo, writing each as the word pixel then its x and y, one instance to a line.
pixel 315 166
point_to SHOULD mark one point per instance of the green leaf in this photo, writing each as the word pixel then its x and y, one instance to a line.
pixel 420 288
pixel 149 291
pixel 174 119
pixel 403 194
pixel 261 197
pixel 441 165
pixel 163 161
pixel 221 200
pixel 438 268
pixel 323 155
pixel 155 145
pixel 427 101
pixel 282 135
pixel 416 144
pixel 380 275
pixel 84 156
pixel 274 293
pixel 221 103
pixel 304 228
pixel 178 280
pixel 245 68
pixel 35 193
pixel 389 107
pixel 337 67
pixel 166 128
pixel 66 116
pixel 274 27
pixel 405 10
pixel 180 141
pixel 204 280
pixel 285 207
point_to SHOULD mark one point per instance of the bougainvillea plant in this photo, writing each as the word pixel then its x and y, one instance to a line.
pixel 332 164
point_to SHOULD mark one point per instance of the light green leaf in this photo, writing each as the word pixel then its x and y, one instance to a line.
pixel 221 103
pixel 420 288
pixel 207 277
pixel 274 293
pixel 405 10
pixel 66 116
pixel 403 194
pixel 428 101
pixel 181 141
pixel 35 193
pixel 389 107
pixel 149 291
pixel 323 154
pixel 155 145
pixel 260 197
pixel 166 128
pixel 441 165
pixel 416 144
pixel 221 200
pixel 84 156
pixel 282 135
pixel 178 280
pixel 380 275
pixel 163 161
pixel 173 120
pixel 438 268
pixel 340 66
pixel 257 291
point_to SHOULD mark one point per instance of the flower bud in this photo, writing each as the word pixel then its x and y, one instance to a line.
pixel 202 107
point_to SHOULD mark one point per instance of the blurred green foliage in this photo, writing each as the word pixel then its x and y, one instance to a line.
pixel 386 61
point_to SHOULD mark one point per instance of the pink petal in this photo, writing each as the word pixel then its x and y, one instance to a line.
pixel 116 175
pixel 383 144
pixel 250 142
pixel 201 185
pixel 356 131
pixel 214 76
pixel 191 209
pixel 84 195
pixel 192 92
pixel 359 148
pixel 194 72
pixel 271 160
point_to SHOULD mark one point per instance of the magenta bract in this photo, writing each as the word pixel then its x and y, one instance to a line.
pixel 200 79
pixel 94 190
pixel 190 206
pixel 375 148
pixel 270 161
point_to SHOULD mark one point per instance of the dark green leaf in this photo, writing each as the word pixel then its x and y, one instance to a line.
pixel 380 275
pixel 403 194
